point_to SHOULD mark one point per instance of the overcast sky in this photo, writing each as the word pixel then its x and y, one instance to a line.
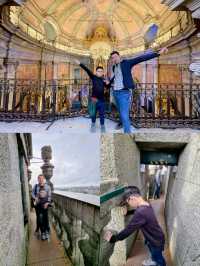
pixel 76 158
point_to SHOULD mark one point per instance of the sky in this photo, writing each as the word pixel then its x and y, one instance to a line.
pixel 76 158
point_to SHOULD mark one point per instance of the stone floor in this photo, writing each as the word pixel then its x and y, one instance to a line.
pixel 45 253
pixel 140 252
pixel 69 125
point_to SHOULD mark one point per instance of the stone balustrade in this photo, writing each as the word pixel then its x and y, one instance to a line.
pixel 76 217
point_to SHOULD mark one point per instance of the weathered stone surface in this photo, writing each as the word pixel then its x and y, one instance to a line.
pixel 162 139
pixel 182 206
pixel 120 164
pixel 78 225
pixel 13 204
pixel 107 159
pixel 183 197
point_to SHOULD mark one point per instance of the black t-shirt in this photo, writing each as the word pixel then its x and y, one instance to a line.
pixel 145 220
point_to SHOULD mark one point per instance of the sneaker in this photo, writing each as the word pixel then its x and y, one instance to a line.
pixel 118 126
pixel 149 262
pixel 43 236
pixel 103 129
pixel 93 128
pixel 47 235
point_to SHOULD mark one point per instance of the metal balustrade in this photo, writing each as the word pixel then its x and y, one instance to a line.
pixel 152 105
pixel 166 105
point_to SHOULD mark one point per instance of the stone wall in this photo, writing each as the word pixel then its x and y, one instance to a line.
pixel 120 165
pixel 23 57
pixel 120 160
pixel 13 232
pixel 76 218
pixel 182 200
pixel 182 206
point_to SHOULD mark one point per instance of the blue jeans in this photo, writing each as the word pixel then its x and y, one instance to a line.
pixel 100 107
pixel 156 254
pixel 122 99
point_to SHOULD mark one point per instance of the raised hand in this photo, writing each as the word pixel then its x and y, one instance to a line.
pixel 76 61
pixel 163 50
pixel 124 210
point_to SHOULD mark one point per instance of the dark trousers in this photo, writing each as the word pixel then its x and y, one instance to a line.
pixel 42 219
pixel 100 107
pixel 156 254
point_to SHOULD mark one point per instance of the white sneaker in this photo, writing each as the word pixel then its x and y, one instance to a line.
pixel 149 262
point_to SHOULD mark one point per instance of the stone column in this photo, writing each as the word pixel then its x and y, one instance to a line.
pixel 155 70
pixel 47 167
pixel 10 74
pixel 144 72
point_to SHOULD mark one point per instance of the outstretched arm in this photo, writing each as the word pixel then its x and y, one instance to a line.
pixel 142 58
pixel 147 56
pixel 136 223
pixel 88 71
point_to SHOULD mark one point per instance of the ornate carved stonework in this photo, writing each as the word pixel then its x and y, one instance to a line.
pixel 47 167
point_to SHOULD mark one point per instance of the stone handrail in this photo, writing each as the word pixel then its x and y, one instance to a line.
pixel 76 219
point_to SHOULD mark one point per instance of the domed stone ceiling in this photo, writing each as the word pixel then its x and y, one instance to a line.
pixel 80 24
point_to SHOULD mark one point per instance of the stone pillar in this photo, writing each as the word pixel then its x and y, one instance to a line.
pixel 155 70
pixel 2 69
pixel 144 72
pixel 47 167
pixel 11 68
pixel 10 74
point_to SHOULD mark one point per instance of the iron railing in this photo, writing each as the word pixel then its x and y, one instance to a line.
pixel 42 100
pixel 153 105
pixel 166 105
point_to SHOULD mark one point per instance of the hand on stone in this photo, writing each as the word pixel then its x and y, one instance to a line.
pixel 124 210
pixel 163 50
pixel 108 236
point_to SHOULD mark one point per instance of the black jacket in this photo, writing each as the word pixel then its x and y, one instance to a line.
pixel 98 84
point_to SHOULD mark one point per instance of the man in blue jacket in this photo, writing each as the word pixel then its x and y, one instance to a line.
pixel 123 82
